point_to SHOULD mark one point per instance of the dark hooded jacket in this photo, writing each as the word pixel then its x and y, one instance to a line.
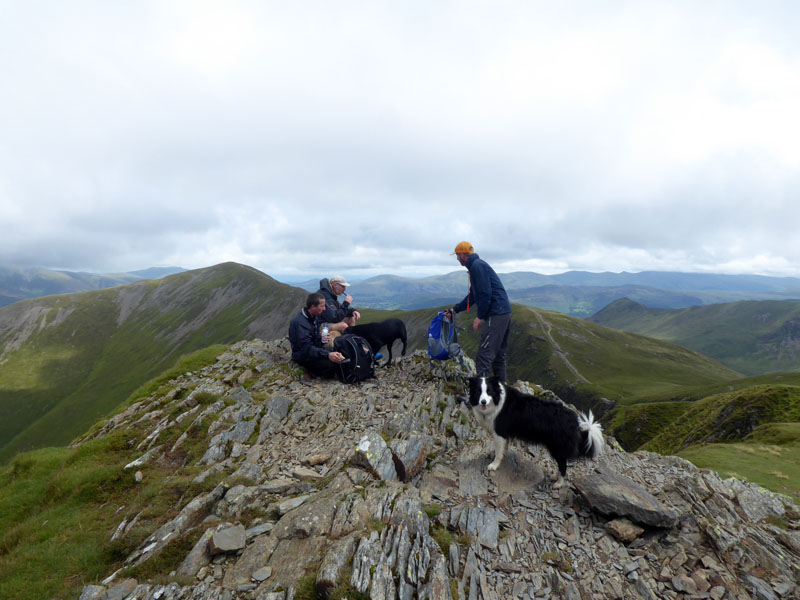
pixel 305 338
pixel 485 290
pixel 335 312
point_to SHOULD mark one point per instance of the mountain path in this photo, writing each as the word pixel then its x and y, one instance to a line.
pixel 547 327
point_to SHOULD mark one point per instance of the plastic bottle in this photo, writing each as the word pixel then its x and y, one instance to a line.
pixel 325 335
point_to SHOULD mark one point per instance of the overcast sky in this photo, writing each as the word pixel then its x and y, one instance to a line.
pixel 313 138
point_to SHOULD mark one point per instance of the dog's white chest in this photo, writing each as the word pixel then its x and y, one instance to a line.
pixel 485 420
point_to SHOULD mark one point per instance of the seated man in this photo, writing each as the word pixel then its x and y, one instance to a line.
pixel 304 336
pixel 338 316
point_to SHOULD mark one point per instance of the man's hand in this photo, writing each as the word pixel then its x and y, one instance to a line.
pixel 476 323
pixel 348 299
pixel 357 315
pixel 335 357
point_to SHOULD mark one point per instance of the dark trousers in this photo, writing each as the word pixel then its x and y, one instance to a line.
pixel 493 347
pixel 320 367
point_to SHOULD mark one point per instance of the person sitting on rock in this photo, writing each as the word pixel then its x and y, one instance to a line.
pixel 339 316
pixel 308 350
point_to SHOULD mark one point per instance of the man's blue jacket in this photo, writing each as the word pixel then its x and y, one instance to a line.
pixel 485 290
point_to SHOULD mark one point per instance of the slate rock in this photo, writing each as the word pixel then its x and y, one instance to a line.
pixel 228 540
pixel 411 454
pixel 197 558
pixel 93 592
pixel 614 495
pixel 375 456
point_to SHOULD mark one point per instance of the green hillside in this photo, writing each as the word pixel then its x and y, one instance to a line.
pixel 68 360
pixel 731 416
pixel 753 337
pixel 752 433
pixel 584 361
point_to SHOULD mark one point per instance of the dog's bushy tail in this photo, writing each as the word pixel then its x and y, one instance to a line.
pixel 403 338
pixel 592 432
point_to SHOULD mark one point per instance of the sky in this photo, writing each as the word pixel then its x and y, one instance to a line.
pixel 364 138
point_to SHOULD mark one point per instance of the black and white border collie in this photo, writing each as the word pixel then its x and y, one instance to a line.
pixel 508 413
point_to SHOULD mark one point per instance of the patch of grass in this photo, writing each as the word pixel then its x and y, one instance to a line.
pixel 557 560
pixel 432 510
pixel 344 590
pixel 185 364
pixel 306 588
pixel 751 462
pixel 444 537
pixel 634 425
pixel 157 568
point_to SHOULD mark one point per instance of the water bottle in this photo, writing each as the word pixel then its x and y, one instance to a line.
pixel 325 335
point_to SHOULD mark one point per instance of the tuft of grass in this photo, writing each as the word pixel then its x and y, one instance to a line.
pixel 443 537
pixel 559 561
pixel 306 588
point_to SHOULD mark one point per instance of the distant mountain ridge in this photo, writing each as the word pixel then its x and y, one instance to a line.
pixel 576 293
pixel 23 283
pixel 752 337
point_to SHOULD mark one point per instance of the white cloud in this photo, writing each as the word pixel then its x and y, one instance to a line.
pixel 368 139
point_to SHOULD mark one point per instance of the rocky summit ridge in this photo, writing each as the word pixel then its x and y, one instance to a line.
pixel 318 489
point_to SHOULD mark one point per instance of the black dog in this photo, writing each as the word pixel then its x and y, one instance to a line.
pixel 507 413
pixel 382 333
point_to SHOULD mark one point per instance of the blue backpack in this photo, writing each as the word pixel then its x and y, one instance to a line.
pixel 442 338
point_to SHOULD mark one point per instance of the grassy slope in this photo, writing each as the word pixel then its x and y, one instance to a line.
pixel 752 433
pixel 625 367
pixel 728 417
pixel 64 378
pixel 753 337
pixel 773 465
pixel 58 507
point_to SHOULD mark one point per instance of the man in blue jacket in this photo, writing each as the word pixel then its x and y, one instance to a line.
pixel 304 336
pixel 488 296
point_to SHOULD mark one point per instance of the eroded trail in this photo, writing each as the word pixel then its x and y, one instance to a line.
pixel 546 327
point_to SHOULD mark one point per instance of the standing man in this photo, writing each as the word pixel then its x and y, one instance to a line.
pixel 487 294
pixel 307 349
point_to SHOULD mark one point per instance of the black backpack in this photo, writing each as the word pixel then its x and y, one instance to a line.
pixel 359 361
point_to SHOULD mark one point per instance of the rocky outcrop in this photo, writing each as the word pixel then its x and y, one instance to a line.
pixel 381 490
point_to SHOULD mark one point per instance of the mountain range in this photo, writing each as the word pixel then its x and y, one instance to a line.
pixel 22 283
pixel 576 293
